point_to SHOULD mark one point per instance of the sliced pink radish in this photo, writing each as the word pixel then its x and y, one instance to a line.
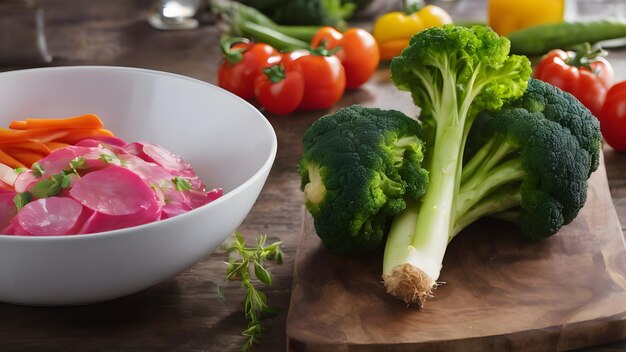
pixel 95 143
pixel 5 187
pixel 160 156
pixel 24 181
pixel 7 174
pixel 99 222
pixel 61 159
pixel 151 173
pixel 7 208
pixel 114 190
pixel 51 216
pixel 112 141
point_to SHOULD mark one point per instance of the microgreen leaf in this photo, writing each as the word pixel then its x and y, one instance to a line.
pixel 262 274
pixel 51 186
pixel 240 260
pixel 78 163
pixel 21 199
pixel 37 169
pixel 19 170
pixel 106 158
pixel 181 184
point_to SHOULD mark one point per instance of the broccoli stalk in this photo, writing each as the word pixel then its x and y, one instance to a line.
pixel 527 163
pixel 452 74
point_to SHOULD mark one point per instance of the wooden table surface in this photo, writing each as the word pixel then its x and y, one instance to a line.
pixel 184 313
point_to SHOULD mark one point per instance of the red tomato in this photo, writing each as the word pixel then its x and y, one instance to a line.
pixel 357 50
pixel 279 90
pixel 613 117
pixel 564 70
pixel 324 78
pixel 238 77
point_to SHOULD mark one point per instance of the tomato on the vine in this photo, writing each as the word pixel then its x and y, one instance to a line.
pixel 356 48
pixel 243 62
pixel 324 77
pixel 585 74
pixel 279 90
pixel 613 117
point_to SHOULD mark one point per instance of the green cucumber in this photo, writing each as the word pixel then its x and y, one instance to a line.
pixel 540 39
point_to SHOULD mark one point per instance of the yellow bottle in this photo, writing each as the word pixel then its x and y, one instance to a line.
pixel 507 16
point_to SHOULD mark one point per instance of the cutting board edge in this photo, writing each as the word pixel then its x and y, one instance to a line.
pixel 586 336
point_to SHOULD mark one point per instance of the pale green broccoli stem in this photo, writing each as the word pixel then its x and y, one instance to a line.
pixel 496 203
pixel 314 190
pixel 420 241
pixel 511 171
pixel 400 148
pixel 389 186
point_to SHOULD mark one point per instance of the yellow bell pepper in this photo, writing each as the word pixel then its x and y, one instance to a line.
pixel 506 16
pixel 393 30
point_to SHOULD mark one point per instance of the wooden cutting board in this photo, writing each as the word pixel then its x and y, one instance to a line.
pixel 500 293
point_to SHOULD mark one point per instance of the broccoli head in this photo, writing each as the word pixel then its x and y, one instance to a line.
pixel 541 151
pixel 358 168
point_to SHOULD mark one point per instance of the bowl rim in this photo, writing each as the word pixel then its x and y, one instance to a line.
pixel 267 164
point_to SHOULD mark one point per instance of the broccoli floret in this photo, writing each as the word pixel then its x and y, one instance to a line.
pixel 534 166
pixel 358 167
pixel 561 107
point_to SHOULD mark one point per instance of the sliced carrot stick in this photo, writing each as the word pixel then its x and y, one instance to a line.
pixel 9 160
pixel 36 135
pixel 52 146
pixel 82 121
pixel 26 157
pixel 76 136
pixel 29 145
pixel 18 125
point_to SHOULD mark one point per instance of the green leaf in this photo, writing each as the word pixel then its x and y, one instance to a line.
pixel 240 256
pixel 21 199
pixel 110 159
pixel 20 170
pixel 37 169
pixel 181 184
pixel 262 274
pixel 78 163
pixel 51 186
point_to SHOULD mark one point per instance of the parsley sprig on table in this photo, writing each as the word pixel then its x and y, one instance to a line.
pixel 243 261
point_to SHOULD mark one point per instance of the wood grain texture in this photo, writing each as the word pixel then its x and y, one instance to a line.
pixel 500 293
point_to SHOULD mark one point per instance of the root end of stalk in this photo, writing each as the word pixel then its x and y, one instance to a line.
pixel 409 284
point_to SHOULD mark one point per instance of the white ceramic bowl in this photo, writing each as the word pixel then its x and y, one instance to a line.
pixel 227 141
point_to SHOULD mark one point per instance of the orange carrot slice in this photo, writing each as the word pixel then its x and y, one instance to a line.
pixel 82 121
pixel 9 160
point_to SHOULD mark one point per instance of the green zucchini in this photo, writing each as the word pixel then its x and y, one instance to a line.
pixel 540 39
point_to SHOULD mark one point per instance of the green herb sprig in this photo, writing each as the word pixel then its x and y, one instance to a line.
pixel 243 261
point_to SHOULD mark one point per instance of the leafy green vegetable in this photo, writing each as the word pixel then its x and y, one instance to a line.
pixel 181 184
pixel 496 144
pixel 37 169
pixel 20 170
pixel 357 168
pixel 239 20
pixel 107 158
pixel 306 12
pixel 51 186
pixel 21 199
pixel 78 163
pixel 240 260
